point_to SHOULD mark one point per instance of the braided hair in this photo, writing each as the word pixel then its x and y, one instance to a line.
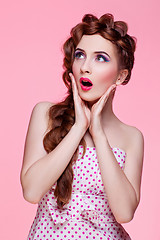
pixel 62 115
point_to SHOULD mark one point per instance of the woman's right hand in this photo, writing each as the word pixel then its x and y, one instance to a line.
pixel 82 112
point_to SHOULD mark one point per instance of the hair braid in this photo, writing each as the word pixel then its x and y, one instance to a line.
pixel 62 115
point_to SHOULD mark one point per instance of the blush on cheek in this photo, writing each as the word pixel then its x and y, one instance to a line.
pixel 108 77
pixel 106 72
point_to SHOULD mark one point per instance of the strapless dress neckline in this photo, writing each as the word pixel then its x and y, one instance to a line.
pixel 93 148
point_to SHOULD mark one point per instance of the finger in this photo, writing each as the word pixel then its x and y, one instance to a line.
pixel 74 86
pixel 77 99
pixel 105 96
pixel 72 81
pixel 112 88
pixel 102 101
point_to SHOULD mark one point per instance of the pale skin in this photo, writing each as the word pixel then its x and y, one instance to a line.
pixel 99 126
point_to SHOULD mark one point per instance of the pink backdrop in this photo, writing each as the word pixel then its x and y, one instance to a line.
pixel 31 36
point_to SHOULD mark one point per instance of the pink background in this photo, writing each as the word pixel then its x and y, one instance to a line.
pixel 31 37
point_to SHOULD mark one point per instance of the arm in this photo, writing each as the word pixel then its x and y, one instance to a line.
pixel 41 170
pixel 122 187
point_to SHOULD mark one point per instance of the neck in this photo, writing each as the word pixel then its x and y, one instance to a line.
pixel 108 116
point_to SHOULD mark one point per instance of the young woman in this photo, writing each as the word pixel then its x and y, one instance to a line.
pixel 82 165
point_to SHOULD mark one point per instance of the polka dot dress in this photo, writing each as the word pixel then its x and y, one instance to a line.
pixel 87 215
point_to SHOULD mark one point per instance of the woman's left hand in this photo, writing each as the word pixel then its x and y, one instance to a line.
pixel 96 110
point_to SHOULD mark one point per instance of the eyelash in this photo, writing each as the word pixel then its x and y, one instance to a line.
pixel 104 58
pixel 78 54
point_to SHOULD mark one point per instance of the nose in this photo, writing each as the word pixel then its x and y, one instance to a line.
pixel 86 66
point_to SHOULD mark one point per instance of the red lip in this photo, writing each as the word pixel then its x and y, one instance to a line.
pixel 85 79
pixel 85 88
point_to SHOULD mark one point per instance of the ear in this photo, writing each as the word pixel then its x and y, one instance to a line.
pixel 121 76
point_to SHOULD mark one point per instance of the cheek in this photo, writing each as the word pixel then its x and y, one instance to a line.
pixel 107 75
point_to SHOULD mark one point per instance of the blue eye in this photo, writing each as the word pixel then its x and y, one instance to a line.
pixel 102 58
pixel 78 55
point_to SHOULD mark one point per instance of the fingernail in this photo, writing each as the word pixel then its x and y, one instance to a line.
pixel 114 88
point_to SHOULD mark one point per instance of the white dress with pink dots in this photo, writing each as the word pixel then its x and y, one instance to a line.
pixel 87 215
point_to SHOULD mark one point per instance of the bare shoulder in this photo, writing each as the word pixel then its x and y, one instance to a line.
pixel 37 128
pixel 134 139
pixel 41 110
pixel 42 107
pixel 134 134
pixel 38 121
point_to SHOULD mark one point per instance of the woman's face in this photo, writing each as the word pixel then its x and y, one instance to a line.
pixel 95 61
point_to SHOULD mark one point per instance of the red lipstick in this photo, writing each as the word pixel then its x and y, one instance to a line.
pixel 86 84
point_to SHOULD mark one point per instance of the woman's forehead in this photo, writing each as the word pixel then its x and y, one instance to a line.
pixel 94 43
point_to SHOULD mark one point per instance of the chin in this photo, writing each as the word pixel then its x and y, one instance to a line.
pixel 90 101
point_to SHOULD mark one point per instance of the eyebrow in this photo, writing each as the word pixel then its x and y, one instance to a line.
pixel 99 52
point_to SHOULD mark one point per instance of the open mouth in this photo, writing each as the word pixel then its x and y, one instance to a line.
pixel 86 83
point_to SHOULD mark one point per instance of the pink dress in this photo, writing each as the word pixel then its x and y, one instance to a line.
pixel 87 215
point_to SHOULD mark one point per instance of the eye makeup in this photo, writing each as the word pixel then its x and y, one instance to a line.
pixel 103 55
pixel 80 53
pixel 104 59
